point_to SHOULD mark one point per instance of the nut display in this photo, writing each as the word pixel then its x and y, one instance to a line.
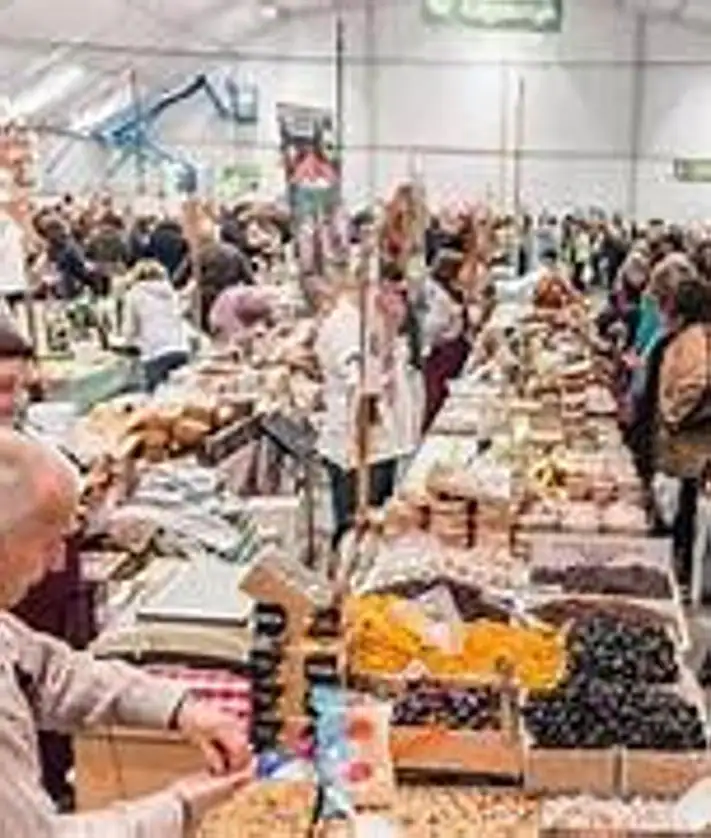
pixel 422 557
pixel 560 611
pixel 280 810
pixel 591 713
pixel 635 580
pixel 584 814
pixel 607 647
pixel 470 709
pixel 451 812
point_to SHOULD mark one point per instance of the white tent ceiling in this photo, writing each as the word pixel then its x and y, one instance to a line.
pixel 94 46
pixel 690 12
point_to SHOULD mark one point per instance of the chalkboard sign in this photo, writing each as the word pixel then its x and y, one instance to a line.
pixel 513 15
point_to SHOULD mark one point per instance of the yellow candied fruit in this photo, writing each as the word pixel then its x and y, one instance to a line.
pixel 386 635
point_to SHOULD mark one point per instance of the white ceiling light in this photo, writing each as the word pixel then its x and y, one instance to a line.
pixel 269 11
pixel 51 88
pixel 101 111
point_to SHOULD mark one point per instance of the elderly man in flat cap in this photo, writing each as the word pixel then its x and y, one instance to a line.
pixel 43 684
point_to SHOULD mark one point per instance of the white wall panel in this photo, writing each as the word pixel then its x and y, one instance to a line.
pixel 676 121
pixel 660 194
pixel 436 95
pixel 445 107
pixel 677 118
pixel 443 89
pixel 680 43
pixel 567 184
pixel 578 109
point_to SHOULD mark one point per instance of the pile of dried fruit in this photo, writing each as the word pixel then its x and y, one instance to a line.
pixel 387 635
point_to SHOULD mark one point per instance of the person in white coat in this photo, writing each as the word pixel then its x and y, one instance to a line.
pixel 338 350
pixel 154 322
pixel 45 685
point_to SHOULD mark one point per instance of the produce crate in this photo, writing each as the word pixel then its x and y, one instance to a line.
pixel 123 764
pixel 553 771
pixel 616 833
pixel 667 613
pixel 610 552
pixel 660 774
pixel 486 753
pixel 554 547
pixel 435 748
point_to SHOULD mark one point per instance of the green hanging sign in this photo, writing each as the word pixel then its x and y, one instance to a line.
pixel 693 170
pixel 511 15
pixel 235 179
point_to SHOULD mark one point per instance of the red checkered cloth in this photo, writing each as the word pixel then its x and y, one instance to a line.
pixel 231 693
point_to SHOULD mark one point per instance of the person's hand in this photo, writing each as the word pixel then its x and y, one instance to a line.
pixel 216 734
pixel 201 793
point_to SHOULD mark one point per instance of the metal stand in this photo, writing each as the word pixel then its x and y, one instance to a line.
pixel 519 147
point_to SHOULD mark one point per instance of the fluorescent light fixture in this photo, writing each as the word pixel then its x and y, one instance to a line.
pixel 269 11
pixel 105 109
pixel 51 88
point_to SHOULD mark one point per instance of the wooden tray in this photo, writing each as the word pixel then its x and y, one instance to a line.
pixel 490 753
pixel 123 764
pixel 551 771
pixel 620 833
pixel 659 774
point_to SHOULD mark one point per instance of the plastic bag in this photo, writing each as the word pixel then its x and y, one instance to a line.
pixel 353 760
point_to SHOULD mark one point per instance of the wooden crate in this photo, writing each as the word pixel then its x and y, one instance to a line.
pixel 552 771
pixel 122 764
pixel 462 752
pixel 659 774
pixel 619 833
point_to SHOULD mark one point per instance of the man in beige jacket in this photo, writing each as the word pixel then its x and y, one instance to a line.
pixel 45 685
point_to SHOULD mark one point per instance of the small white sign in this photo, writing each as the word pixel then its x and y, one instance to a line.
pixel 13 277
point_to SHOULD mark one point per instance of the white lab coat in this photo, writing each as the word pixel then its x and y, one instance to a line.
pixel 338 351
pixel 154 319
pixel 444 316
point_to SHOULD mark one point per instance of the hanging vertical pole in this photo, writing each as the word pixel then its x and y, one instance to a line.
pixel 504 134
pixel 371 96
pixel 340 99
pixel 639 89
pixel 23 217
pixel 364 406
pixel 139 149
pixel 520 139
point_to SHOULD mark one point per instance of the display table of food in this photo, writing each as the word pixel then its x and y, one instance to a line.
pixel 507 621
